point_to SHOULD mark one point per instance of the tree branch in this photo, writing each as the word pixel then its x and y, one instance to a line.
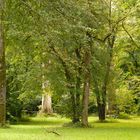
pixel 130 36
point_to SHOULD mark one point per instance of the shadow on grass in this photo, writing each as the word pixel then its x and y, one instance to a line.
pixel 76 125
pixel 53 121
pixel 107 121
pixel 6 126
pixel 43 121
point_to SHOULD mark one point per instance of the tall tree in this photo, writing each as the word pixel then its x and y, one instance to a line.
pixel 2 70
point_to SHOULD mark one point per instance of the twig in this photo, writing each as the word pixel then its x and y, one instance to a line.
pixel 52 131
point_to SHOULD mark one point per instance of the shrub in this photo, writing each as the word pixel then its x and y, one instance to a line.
pixel 123 115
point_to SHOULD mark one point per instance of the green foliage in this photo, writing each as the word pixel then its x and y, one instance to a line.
pixel 57 34
pixel 123 115
pixel 125 101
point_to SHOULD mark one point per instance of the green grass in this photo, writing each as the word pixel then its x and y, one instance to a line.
pixel 36 130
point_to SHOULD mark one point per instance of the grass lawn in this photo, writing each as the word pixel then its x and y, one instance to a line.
pixel 37 129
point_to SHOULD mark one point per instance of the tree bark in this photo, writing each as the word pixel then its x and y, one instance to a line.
pixel 85 103
pixel 86 92
pixel 78 85
pixel 46 101
pixel 101 111
pixel 2 73
pixel 46 104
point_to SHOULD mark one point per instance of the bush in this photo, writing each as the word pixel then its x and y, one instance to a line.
pixel 24 119
pixel 123 115
pixel 12 119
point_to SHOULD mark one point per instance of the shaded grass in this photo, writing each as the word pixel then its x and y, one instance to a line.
pixel 36 129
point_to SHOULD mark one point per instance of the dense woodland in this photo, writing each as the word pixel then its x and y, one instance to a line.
pixel 74 58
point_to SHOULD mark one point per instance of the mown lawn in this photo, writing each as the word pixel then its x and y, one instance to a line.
pixel 37 129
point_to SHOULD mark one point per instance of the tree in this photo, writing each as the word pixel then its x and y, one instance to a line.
pixel 2 70
pixel 80 39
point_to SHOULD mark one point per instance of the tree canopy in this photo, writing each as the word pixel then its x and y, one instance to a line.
pixel 78 57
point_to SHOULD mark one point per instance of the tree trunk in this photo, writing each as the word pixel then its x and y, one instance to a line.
pixel 73 106
pixel 46 104
pixel 101 111
pixel 46 100
pixel 78 108
pixel 86 90
pixel 2 74
pixel 85 103
pixel 101 102
pixel 78 92
pixel 78 84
